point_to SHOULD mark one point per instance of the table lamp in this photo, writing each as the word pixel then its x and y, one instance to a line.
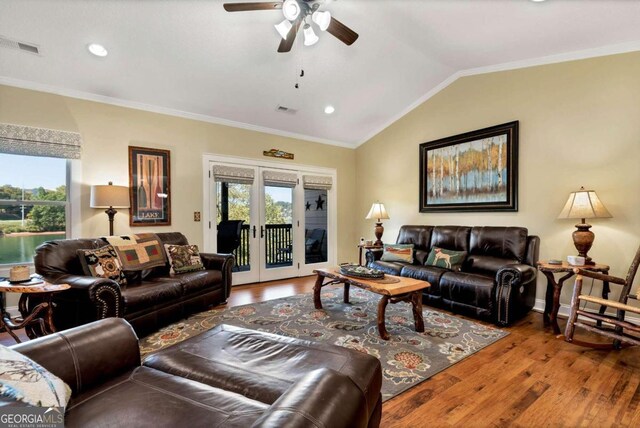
pixel 584 204
pixel 378 212
pixel 109 197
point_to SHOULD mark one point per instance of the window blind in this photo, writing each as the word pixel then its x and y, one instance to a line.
pixel 317 182
pixel 279 179
pixel 233 174
pixel 30 141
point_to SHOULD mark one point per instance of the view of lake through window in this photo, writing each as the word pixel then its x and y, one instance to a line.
pixel 33 200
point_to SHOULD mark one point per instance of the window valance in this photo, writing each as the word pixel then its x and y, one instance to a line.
pixel 280 179
pixel 30 141
pixel 317 182
pixel 233 174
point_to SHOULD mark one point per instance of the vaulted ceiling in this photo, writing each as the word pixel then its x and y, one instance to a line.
pixel 192 58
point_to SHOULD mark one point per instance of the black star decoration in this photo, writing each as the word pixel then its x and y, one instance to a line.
pixel 319 203
pixel 308 206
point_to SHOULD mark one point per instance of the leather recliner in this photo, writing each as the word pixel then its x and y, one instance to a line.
pixel 497 281
pixel 150 300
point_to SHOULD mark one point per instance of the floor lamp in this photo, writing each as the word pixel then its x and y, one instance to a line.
pixel 109 197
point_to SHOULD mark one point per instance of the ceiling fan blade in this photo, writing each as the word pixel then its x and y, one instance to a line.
pixel 243 7
pixel 286 44
pixel 343 33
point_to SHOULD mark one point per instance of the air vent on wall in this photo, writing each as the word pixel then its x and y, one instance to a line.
pixel 6 42
pixel 283 109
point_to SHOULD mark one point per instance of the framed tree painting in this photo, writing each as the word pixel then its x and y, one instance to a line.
pixel 475 171
pixel 149 187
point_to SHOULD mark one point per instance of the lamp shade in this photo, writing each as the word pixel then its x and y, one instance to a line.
pixel 377 211
pixel 584 204
pixel 283 28
pixel 310 37
pixel 290 9
pixel 109 196
pixel 322 19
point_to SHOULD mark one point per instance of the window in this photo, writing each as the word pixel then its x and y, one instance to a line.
pixel 33 204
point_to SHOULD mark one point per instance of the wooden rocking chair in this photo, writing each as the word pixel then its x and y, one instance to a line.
pixel 623 331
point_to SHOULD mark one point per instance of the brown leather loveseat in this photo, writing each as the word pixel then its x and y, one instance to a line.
pixel 226 377
pixel 497 281
pixel 151 299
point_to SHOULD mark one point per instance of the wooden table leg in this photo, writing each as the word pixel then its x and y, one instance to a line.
pixel 382 306
pixel 316 292
pixel 346 292
pixel 553 315
pixel 605 295
pixel 416 303
pixel 548 299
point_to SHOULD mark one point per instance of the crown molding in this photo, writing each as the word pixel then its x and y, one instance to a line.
pixel 514 65
pixel 71 93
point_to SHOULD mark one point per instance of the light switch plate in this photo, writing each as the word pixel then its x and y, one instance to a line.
pixel 196 216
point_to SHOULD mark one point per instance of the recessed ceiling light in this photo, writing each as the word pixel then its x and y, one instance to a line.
pixel 97 50
pixel 329 109
pixel 537 1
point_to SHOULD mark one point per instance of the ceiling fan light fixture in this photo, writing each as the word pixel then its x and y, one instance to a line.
pixel 291 9
pixel 283 28
pixel 310 37
pixel 322 19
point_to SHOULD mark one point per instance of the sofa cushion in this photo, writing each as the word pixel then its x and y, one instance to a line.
pixel 486 265
pixel 504 242
pixel 148 397
pixel 102 263
pixel 193 282
pixel 391 268
pixel 450 237
pixel 26 381
pixel 431 274
pixel 447 259
pixel 183 258
pixel 467 288
pixel 262 366
pixel 397 253
pixel 150 293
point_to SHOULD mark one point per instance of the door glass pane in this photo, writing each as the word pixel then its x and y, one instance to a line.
pixel 278 230
pixel 315 220
pixel 234 202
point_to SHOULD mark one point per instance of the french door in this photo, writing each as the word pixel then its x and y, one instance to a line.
pixel 279 223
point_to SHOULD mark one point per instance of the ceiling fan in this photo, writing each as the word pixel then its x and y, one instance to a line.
pixel 298 13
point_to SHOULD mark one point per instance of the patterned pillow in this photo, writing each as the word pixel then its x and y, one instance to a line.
pixel 444 258
pixel 398 253
pixel 102 263
pixel 24 380
pixel 183 258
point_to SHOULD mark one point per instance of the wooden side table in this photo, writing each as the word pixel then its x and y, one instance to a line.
pixel 365 247
pixel 552 298
pixel 40 315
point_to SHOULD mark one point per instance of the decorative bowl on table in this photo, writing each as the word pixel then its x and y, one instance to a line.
pixel 361 272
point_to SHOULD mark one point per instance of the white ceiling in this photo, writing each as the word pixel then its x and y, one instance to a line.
pixel 190 57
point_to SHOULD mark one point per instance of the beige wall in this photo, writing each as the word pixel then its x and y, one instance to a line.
pixel 108 130
pixel 579 126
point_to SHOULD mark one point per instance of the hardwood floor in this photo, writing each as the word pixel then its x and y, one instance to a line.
pixel 528 379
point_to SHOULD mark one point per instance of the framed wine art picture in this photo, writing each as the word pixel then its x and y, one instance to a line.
pixel 149 187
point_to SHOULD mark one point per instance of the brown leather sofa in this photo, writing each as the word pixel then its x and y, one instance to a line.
pixel 497 281
pixel 151 299
pixel 226 377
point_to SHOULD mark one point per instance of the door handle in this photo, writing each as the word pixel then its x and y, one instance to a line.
pixel 261 231
pixel 254 231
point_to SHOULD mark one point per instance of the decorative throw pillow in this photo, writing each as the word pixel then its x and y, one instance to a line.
pixel 22 379
pixel 183 258
pixel 102 263
pixel 397 253
pixel 444 258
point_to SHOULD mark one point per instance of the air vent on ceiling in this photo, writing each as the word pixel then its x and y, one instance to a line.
pixel 6 42
pixel 283 109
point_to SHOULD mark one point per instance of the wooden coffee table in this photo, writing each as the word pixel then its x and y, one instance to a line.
pixel 392 288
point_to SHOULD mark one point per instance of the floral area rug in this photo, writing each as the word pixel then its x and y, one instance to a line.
pixel 407 359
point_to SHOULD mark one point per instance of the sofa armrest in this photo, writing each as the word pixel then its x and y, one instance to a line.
pixel 87 355
pixel 322 398
pixel 222 262
pixel 515 291
pixel 103 293
pixel 372 254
